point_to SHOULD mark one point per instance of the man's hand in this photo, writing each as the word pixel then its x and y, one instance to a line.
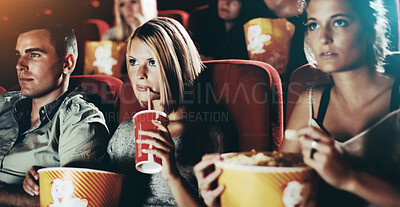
pixel 31 182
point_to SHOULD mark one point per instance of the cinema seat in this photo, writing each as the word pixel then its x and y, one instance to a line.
pixel 129 104
pixel 196 16
pixel 2 90
pixel 104 94
pixel 179 15
pixel 101 26
pixel 302 78
pixel 251 91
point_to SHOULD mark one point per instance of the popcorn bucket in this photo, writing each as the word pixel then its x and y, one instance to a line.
pixel 145 162
pixel 269 40
pixel 79 187
pixel 267 186
pixel 104 58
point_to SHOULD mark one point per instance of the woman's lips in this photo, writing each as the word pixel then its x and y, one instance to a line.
pixel 142 88
pixel 328 54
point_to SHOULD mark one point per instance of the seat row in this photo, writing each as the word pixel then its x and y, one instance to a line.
pixel 250 91
pixel 95 29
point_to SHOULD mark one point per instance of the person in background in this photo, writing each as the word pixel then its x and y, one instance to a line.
pixel 46 123
pixel 130 14
pixel 220 35
pixel 162 58
pixel 291 10
pixel 348 131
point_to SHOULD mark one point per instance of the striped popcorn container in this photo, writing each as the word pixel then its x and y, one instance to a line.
pixel 267 186
pixel 80 187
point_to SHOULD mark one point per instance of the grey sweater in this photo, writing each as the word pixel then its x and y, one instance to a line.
pixel 143 189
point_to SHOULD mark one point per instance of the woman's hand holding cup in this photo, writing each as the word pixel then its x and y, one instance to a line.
pixel 163 147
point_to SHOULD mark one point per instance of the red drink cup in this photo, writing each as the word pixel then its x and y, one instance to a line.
pixel 145 162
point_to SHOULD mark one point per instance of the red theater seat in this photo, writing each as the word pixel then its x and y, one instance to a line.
pixel 106 89
pixel 129 105
pixel 179 15
pixel 87 30
pixel 2 90
pixel 196 16
pixel 101 26
pixel 251 91
pixel 302 78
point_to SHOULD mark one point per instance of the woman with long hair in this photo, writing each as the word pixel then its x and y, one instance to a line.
pixel 130 14
pixel 163 59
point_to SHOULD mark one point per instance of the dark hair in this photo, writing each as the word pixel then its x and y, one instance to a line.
pixel 62 37
pixel 374 24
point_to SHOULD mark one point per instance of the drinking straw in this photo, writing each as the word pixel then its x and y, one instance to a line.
pixel 148 99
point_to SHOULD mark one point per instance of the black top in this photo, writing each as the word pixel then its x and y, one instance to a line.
pixel 327 192
pixel 326 95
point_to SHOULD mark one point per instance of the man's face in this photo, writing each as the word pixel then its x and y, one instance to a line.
pixel 39 69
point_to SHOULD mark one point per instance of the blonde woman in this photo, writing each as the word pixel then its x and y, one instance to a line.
pixel 162 57
pixel 129 14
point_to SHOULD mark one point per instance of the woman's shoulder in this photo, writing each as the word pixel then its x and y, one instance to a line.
pixel 126 127
pixel 124 133
pixel 311 94
pixel 121 145
pixel 308 100
pixel 316 92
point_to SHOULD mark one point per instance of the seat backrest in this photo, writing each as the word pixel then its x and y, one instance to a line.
pixel 106 87
pixel 2 90
pixel 302 78
pixel 179 15
pixel 106 90
pixel 251 91
pixel 196 16
pixel 87 30
pixel 128 103
pixel 101 25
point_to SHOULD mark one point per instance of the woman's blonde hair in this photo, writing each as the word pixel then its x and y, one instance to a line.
pixel 121 28
pixel 177 57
